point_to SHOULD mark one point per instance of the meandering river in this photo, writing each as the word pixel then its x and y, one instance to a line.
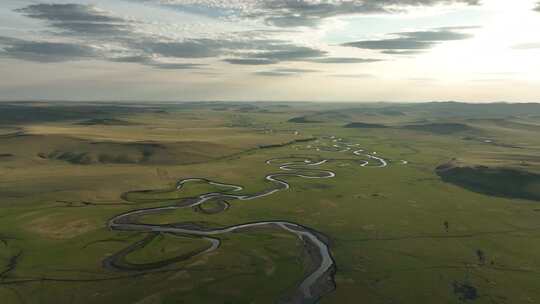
pixel 315 284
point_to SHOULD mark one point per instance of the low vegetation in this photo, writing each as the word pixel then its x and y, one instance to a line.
pixel 302 119
pixel 503 182
pixel 440 128
pixel 459 231
pixel 105 122
pixel 362 125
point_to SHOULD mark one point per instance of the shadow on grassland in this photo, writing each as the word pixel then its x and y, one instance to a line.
pixel 500 182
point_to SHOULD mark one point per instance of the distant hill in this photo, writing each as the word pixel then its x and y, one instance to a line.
pixel 440 128
pixel 302 119
pixel 362 125
pixel 105 122
pixel 476 110
pixel 506 123
pixel 435 128
pixel 13 114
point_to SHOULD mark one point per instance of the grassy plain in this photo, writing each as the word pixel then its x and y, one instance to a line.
pixel 398 234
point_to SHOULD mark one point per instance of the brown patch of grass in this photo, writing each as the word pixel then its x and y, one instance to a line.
pixel 53 228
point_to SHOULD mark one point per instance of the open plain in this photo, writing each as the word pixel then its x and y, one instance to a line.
pixel 272 202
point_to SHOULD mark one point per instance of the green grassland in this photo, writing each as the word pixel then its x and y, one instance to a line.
pixel 401 234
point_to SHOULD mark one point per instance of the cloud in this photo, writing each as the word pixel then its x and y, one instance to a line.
pixel 262 52
pixel 242 61
pixel 119 41
pixel 39 51
pixel 402 52
pixel 286 13
pixel 275 52
pixel 458 28
pixel 300 13
pixel 77 19
pixel 344 60
pixel 186 49
pixel 149 61
pixel 86 32
pixel 284 72
pixel 307 58
pixel 67 13
pixel 407 43
pixel 241 51
pixel 253 50
pixel 175 66
pixel 53 52
pixel 435 36
pixel 290 53
pixel 392 44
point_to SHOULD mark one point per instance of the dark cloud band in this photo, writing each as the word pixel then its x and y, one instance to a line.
pixel 39 51
pixel 297 13
pixel 89 32
pixel 285 13
pixel 118 40
pixel 78 19
pixel 407 43
pixel 309 13
pixel 285 72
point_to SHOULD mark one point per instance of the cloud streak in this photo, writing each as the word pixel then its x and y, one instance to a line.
pixel 94 33
pixel 157 64
pixel 78 19
pixel 407 43
pixel 45 52
pixel 285 13
pixel 302 13
pixel 343 60
pixel 285 72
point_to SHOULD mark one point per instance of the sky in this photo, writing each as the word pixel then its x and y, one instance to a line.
pixel 274 50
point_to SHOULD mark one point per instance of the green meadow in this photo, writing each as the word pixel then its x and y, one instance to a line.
pixel 455 216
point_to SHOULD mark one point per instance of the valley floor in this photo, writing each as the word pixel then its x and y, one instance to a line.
pixel 290 203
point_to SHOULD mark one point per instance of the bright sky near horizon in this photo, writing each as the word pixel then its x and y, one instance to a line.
pixel 249 50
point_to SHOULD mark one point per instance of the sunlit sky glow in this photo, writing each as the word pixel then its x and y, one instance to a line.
pixel 309 50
